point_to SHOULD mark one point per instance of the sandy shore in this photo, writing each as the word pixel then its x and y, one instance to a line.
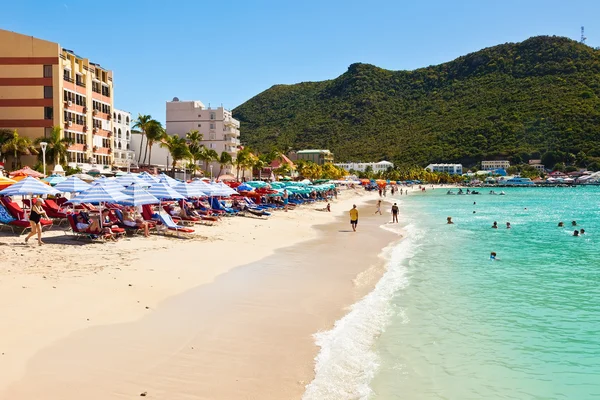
pixel 176 318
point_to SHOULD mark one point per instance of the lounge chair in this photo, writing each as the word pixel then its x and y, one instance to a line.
pixel 168 222
pixel 87 234
pixel 18 215
pixel 131 229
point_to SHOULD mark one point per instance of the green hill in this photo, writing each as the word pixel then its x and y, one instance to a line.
pixel 517 100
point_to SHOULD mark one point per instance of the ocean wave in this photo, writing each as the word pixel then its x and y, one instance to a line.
pixel 347 361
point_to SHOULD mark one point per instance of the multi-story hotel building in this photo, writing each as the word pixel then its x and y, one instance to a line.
pixel 494 165
pixel 123 153
pixel 220 131
pixel 381 166
pixel 43 85
pixel 452 169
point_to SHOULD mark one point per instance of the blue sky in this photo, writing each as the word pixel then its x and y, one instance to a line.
pixel 225 52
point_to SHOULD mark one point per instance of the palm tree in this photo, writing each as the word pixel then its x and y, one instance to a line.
pixel 57 148
pixel 18 146
pixel 241 160
pixel 178 148
pixel 194 137
pixel 209 155
pixel 224 160
pixel 142 124
pixel 259 164
pixel 154 133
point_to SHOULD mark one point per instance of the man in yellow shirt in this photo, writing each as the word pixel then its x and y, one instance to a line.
pixel 354 217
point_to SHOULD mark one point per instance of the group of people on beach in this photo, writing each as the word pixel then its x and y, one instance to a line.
pixel 354 214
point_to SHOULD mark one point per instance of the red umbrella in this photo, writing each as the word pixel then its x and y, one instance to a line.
pixel 26 171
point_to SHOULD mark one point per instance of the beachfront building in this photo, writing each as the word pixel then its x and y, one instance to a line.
pixel 123 152
pixel 220 131
pixel 494 165
pixel 452 169
pixel 43 85
pixel 317 156
pixel 537 164
pixel 381 166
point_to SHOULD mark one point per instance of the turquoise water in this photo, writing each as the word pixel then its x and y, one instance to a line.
pixel 446 322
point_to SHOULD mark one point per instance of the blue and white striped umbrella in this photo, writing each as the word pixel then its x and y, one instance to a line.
pixel 128 179
pixel 203 186
pixel 99 194
pixel 188 190
pixel 54 180
pixel 72 185
pixel 138 196
pixel 170 181
pixel 28 186
pixel 148 177
pixel 164 192
pixel 109 184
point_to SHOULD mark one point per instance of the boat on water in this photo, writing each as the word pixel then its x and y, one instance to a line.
pixel 518 181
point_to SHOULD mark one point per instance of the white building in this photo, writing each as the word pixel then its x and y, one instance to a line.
pixel 220 131
pixel 123 152
pixel 452 169
pixel 381 166
pixel 494 165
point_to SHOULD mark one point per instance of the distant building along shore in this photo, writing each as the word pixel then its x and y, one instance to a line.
pixel 452 169
pixel 381 166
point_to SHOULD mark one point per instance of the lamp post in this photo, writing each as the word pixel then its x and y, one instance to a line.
pixel 211 172
pixel 44 145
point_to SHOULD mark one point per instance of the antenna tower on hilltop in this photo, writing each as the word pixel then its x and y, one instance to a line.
pixel 583 38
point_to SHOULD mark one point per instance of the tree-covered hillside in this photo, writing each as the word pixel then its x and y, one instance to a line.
pixel 517 100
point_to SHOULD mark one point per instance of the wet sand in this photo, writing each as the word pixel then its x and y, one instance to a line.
pixel 247 335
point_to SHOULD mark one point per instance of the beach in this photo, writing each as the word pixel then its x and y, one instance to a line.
pixel 230 313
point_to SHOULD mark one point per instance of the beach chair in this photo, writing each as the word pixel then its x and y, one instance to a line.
pixel 168 222
pixel 17 213
pixel 131 229
pixel 7 221
pixel 93 236
pixel 56 216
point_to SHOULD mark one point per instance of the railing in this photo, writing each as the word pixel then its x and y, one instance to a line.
pixel 68 79
pixel 80 83
pixel 95 90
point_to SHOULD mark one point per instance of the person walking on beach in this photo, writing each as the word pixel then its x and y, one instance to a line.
pixel 285 199
pixel 378 207
pixel 354 217
pixel 35 217
pixel 394 213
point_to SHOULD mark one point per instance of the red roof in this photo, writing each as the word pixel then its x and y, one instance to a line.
pixel 281 160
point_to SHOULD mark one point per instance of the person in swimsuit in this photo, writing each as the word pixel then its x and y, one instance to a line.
pixel 130 220
pixel 378 210
pixel 354 217
pixel 34 220
pixel 395 213
pixel 285 199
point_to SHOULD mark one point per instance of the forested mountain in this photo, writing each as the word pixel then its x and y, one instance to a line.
pixel 517 100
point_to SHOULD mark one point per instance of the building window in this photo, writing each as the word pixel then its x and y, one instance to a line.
pixel 199 125
pixel 48 113
pixel 48 92
pixel 47 132
pixel 212 115
pixel 47 71
pixel 79 80
pixel 67 75
pixel 212 126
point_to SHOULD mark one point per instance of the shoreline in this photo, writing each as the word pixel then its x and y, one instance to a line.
pixel 157 289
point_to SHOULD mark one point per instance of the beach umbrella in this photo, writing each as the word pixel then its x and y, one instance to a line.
pixel 5 182
pixel 168 180
pixel 147 177
pixel 109 184
pixel 84 177
pixel 188 190
pixel 28 186
pixel 128 179
pixel 72 185
pixel 163 191
pixel 244 188
pixel 26 171
pixel 222 189
pixel 53 180
pixel 203 186
pixel 138 196
pixel 98 194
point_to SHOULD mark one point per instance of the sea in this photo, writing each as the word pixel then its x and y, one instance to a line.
pixel 447 322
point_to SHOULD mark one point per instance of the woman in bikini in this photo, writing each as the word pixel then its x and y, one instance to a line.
pixel 37 212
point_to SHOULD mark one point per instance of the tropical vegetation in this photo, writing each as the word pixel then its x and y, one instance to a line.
pixel 57 147
pixel 16 146
pixel 518 101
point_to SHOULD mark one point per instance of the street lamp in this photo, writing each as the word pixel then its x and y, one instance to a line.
pixel 44 145
pixel 211 172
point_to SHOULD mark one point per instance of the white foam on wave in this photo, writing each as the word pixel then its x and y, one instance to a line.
pixel 347 361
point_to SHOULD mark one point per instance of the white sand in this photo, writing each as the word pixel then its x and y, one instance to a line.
pixel 50 292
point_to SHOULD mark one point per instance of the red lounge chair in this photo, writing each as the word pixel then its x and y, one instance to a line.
pixel 85 234
pixel 18 213
pixel 168 222
pixel 20 225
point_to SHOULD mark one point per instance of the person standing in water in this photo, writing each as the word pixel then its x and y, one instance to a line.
pixel 354 217
pixel 395 213
pixel 508 225
pixel 495 226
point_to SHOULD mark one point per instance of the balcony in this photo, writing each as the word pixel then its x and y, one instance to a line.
pixel 80 83
pixel 230 131
pixel 68 78
pixel 231 122
pixel 233 141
